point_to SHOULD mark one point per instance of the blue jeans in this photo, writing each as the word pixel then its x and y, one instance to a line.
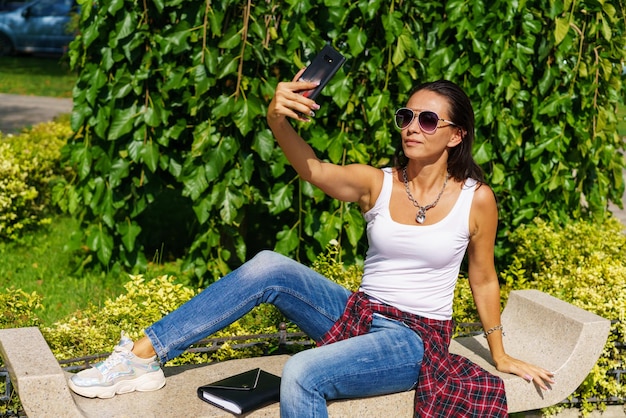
pixel 386 360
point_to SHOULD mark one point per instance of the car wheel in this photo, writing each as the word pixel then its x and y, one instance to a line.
pixel 6 46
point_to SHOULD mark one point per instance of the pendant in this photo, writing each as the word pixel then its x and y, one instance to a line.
pixel 421 216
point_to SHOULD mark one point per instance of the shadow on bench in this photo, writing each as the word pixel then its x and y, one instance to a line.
pixel 539 328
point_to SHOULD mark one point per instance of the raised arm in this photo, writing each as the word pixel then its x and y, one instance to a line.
pixel 486 288
pixel 351 183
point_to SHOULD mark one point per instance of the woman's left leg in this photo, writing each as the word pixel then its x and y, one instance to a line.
pixel 386 360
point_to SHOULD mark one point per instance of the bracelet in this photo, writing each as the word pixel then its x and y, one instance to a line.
pixel 490 330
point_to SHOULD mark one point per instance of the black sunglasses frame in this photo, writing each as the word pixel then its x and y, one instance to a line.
pixel 420 115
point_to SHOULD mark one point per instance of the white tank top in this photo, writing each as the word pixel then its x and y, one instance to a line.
pixel 411 267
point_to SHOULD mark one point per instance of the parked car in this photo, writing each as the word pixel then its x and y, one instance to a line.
pixel 39 26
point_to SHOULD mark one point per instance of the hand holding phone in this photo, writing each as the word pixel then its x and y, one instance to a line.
pixel 323 67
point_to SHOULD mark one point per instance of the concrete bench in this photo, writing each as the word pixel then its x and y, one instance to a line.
pixel 539 328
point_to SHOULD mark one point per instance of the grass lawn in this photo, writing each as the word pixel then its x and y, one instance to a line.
pixel 46 263
pixel 36 76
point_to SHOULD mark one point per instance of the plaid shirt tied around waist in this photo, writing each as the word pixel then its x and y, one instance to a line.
pixel 449 385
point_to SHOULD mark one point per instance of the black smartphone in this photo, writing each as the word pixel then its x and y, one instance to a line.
pixel 323 67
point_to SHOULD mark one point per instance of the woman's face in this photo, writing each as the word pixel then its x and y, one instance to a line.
pixel 418 139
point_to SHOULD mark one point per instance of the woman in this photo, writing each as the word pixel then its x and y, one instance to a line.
pixel 422 216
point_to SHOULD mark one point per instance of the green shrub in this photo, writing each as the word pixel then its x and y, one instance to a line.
pixel 28 164
pixel 17 309
pixel 329 265
pixel 97 329
pixel 582 263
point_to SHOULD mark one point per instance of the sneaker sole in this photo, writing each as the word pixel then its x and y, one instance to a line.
pixel 145 383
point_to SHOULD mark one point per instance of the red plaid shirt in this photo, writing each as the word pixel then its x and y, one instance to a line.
pixel 449 385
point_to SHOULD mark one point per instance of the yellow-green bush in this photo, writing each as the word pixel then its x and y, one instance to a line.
pixel 17 308
pixel 97 329
pixel 28 163
pixel 329 265
pixel 582 263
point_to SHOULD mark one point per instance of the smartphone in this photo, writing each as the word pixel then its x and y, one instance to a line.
pixel 323 67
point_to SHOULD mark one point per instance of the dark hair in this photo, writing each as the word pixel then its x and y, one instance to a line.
pixel 461 164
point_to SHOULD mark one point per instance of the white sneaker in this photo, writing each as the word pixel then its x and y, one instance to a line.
pixel 121 372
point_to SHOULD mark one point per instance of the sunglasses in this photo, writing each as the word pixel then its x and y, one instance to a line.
pixel 427 120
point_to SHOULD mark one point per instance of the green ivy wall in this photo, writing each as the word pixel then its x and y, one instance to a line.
pixel 173 155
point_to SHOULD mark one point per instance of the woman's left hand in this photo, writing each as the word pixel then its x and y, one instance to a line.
pixel 529 372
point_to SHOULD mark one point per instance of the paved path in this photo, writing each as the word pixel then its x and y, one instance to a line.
pixel 18 112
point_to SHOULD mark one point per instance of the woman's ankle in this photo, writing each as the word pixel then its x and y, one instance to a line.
pixel 143 348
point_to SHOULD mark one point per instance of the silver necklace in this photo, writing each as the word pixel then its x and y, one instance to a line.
pixel 421 210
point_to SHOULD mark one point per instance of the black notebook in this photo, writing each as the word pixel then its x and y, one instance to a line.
pixel 243 392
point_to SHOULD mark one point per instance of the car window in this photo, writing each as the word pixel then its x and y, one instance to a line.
pixel 51 8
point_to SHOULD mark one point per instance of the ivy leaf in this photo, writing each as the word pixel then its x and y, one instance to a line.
pixel 233 200
pixel 219 156
pixel 78 116
pixel 115 6
pixel 483 153
pixel 341 89
pixel 90 34
pixel 126 27
pixel 222 107
pixel 404 45
pixel 129 231
pixel 134 150
pixel 121 122
pixel 357 39
pixel 159 4
pixel 281 198
pixel 561 29
pixel 195 183
pixel 263 144
pixel 150 155
pixel 119 171
pixel 330 228
pixel 244 118
pixel 152 116
pixel 202 208
pixel 393 24
pixel 497 174
pixel 231 39
pixel 606 28
pixel 82 156
pixel 227 66
pixel 336 147
pixel 376 104
pixel 354 225
pixel 101 243
pixel 287 240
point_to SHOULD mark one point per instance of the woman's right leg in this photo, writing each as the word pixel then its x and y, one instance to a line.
pixel 305 297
